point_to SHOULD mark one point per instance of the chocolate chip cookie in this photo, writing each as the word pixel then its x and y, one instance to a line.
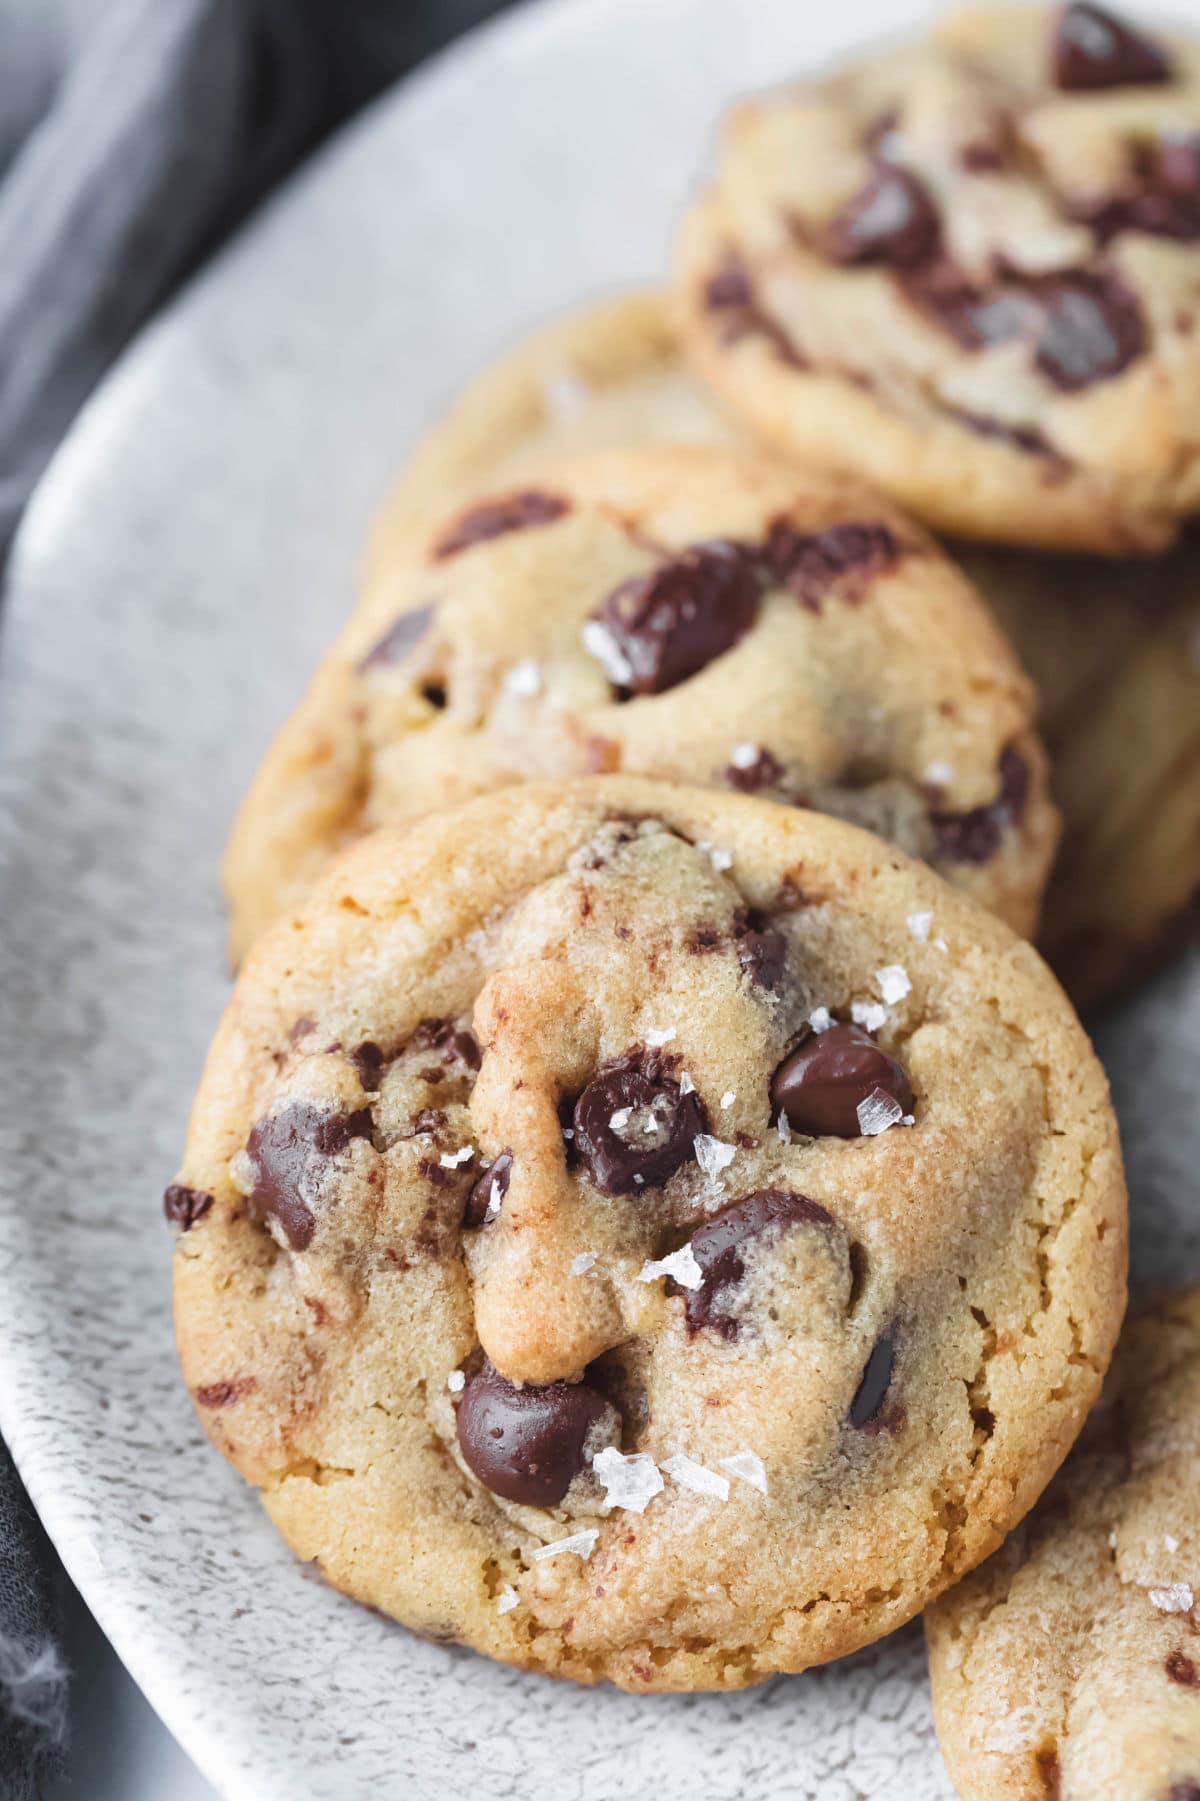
pixel 688 613
pixel 646 1233
pixel 1114 650
pixel 970 271
pixel 1069 1666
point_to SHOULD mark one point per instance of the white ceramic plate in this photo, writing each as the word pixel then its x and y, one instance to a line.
pixel 190 552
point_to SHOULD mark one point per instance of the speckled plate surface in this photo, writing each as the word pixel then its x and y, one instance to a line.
pixel 188 555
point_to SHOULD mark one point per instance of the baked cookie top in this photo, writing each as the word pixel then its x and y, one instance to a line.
pixel 780 1175
pixel 688 613
pixel 1069 1666
pixel 970 271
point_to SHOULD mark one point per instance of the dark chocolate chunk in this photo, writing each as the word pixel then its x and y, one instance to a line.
pixel 728 286
pixel 399 639
pixel 497 518
pixel 762 947
pixel 185 1207
pixel 891 220
pixel 1182 1669
pixel 669 624
pixel 974 316
pixel 1092 329
pixel 821 1084
pixel 729 295
pixel 1184 1791
pixel 442 1035
pixel 975 836
pixel 285 1149
pixel 1093 49
pixel 368 1061
pixel 810 564
pixel 1161 196
pixel 495 1176
pixel 526 1444
pixel 720 1249
pixel 224 1394
pixel 634 1127
pixel 866 1407
pixel 751 778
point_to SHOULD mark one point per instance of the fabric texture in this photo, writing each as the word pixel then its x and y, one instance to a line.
pixel 134 135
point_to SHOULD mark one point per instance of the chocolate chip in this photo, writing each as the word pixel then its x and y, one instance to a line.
pixel 1162 195
pixel 1022 437
pixel 976 317
pixel 810 564
pixel 455 1045
pixel 669 624
pixel 728 286
pixel 750 778
pixel 891 220
pixel 762 947
pixel 720 1249
pixel 975 836
pixel 865 1409
pixel 368 1061
pixel 729 295
pixel 399 639
pixel 821 1084
pixel 224 1394
pixel 286 1148
pixel 1184 1791
pixel 185 1207
pixel 1181 1669
pixel 634 1127
pixel 1093 49
pixel 526 1444
pixel 1092 329
pixel 497 518
pixel 495 1176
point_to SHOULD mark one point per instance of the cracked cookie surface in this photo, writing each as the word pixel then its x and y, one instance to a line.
pixel 1069 1665
pixel 646 1233
pixel 688 613
pixel 969 271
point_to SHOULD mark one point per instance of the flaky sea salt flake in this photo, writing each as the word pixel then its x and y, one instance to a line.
pixel 820 1019
pixel 600 643
pixel 1176 1597
pixel 747 1466
pixel 918 926
pixel 495 1202
pixel 580 1544
pixel 783 1127
pixel 630 1482
pixel 585 1261
pixel 713 1154
pixel 745 756
pixel 686 1085
pixel 727 1099
pixel 524 678
pixel 681 1266
pixel 660 1035
pixel 508 1599
pixel 893 983
pixel 1170 1543
pixel 690 1474
pixel 877 1113
pixel 620 1119
pixel 452 1159
pixel 456 1382
pixel 868 1014
pixel 939 774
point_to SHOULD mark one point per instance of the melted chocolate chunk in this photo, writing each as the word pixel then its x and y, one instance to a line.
pixel 398 640
pixel 526 1444
pixel 494 1177
pixel 185 1207
pixel 729 295
pixel 1181 1669
pixel 866 1408
pixel 1162 196
pixel 810 564
pixel 1092 330
pixel 1050 1772
pixel 720 1249
pixel 1184 1791
pixel 1093 49
pixel 669 624
pixel 891 220
pixel 497 518
pixel 284 1148
pixel 762 948
pixel 442 1035
pixel 822 1082
pixel 975 835
pixel 368 1061
pixel 974 316
pixel 633 1126
pixel 752 778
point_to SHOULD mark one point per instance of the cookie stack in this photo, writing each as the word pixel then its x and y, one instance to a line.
pixel 649 1212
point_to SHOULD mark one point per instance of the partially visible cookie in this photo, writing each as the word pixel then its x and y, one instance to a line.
pixel 1068 1667
pixel 646 1233
pixel 694 614
pixel 969 272
pixel 1114 651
